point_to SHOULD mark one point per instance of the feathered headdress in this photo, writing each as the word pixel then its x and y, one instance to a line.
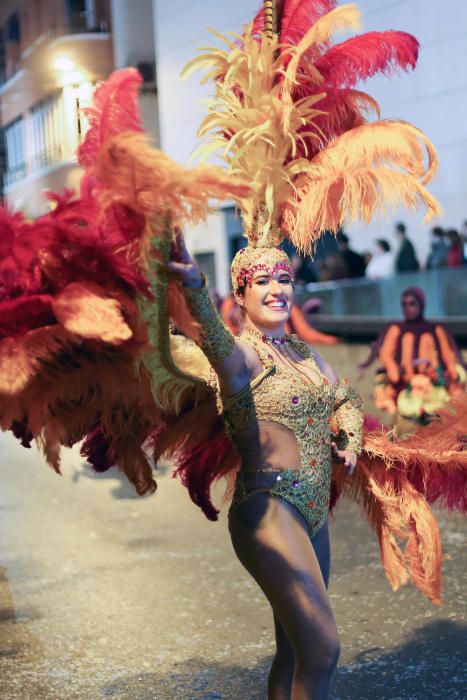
pixel 287 118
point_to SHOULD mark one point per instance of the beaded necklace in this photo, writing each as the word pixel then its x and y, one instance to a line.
pixel 280 346
pixel 268 339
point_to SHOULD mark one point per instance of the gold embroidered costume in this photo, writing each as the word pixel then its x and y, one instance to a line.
pixel 280 422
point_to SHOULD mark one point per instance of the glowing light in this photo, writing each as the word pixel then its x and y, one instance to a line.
pixel 63 63
pixel 73 77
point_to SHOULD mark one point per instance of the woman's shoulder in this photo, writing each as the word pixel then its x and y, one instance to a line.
pixel 251 355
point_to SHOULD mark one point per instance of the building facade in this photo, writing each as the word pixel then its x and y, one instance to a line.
pixel 52 54
pixel 433 97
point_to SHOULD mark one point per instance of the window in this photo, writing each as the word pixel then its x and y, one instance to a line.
pixel 14 147
pixel 76 13
pixel 12 28
pixel 44 134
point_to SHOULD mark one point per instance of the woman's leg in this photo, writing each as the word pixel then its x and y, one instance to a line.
pixel 270 538
pixel 283 664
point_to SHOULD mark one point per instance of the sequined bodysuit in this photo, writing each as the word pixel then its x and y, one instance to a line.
pixel 280 423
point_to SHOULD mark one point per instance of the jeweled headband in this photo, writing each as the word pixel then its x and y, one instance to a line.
pixel 250 260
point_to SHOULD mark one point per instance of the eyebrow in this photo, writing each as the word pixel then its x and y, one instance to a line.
pixel 265 275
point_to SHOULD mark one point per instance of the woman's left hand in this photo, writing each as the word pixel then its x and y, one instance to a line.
pixel 349 458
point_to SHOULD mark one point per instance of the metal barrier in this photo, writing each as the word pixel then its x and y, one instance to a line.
pixel 362 307
pixel 445 289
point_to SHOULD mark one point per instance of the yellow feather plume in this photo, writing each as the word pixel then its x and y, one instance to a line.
pixel 265 134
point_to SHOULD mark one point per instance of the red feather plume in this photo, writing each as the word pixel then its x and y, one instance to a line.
pixel 115 110
pixel 299 15
pixel 360 57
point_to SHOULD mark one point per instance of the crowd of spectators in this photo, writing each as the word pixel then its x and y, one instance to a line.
pixel 448 248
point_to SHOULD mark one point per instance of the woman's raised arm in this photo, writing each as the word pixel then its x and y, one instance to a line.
pixel 218 344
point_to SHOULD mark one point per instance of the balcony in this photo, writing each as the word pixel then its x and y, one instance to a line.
pixel 91 52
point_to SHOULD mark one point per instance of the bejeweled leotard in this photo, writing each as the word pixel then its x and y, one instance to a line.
pixel 279 395
pixel 289 410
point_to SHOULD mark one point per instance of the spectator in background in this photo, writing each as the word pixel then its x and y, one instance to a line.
pixel 437 256
pixel 455 254
pixel 355 263
pixel 304 269
pixel 333 267
pixel 406 260
pixel 381 264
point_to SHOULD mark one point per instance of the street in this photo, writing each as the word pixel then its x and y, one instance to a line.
pixel 106 595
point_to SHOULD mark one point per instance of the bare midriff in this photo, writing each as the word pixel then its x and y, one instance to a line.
pixel 267 445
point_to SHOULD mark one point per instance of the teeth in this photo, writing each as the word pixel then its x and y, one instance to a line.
pixel 276 305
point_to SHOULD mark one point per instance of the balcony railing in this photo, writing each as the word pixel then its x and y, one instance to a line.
pixel 18 172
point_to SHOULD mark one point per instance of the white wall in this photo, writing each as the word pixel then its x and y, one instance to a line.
pixel 133 43
pixel 132 32
pixel 434 97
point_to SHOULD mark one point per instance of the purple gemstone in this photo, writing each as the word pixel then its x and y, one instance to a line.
pixel 320 400
pixel 276 341
pixel 270 357
pixel 296 484
pixel 283 341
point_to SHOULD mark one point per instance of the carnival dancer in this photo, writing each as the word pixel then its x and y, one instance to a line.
pixel 422 365
pixel 277 399
pixel 88 303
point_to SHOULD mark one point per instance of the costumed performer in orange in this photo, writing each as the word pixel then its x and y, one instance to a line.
pixel 423 367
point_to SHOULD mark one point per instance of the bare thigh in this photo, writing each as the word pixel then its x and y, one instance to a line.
pixel 271 540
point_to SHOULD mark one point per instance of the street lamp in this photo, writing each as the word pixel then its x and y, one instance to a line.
pixel 64 63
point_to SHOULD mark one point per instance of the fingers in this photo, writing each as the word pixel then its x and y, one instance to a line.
pixel 349 458
pixel 350 462
pixel 177 267
pixel 183 253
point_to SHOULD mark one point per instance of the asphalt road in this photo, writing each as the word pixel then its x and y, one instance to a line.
pixel 105 595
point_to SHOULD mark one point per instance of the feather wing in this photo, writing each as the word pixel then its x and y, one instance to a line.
pixel 91 357
pixel 397 479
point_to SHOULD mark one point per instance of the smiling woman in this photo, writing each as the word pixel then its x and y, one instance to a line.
pixel 277 398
